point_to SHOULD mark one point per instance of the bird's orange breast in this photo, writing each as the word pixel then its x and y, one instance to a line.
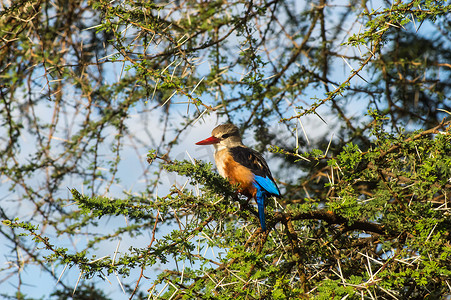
pixel 235 172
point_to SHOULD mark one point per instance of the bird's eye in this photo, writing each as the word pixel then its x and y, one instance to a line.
pixel 225 136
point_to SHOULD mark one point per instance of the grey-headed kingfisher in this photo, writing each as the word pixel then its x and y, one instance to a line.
pixel 242 165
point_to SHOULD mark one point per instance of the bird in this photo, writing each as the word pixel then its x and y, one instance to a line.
pixel 243 166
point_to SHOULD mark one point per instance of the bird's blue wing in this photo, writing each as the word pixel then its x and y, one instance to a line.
pixel 267 184
pixel 263 181
pixel 257 165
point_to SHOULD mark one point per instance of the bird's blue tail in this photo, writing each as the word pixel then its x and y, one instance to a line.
pixel 260 198
pixel 265 186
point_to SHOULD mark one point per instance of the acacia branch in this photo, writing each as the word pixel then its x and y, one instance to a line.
pixel 331 218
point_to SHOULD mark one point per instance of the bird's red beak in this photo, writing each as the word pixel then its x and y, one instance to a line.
pixel 208 141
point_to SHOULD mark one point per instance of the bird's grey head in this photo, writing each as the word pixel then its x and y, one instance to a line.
pixel 223 136
pixel 228 136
